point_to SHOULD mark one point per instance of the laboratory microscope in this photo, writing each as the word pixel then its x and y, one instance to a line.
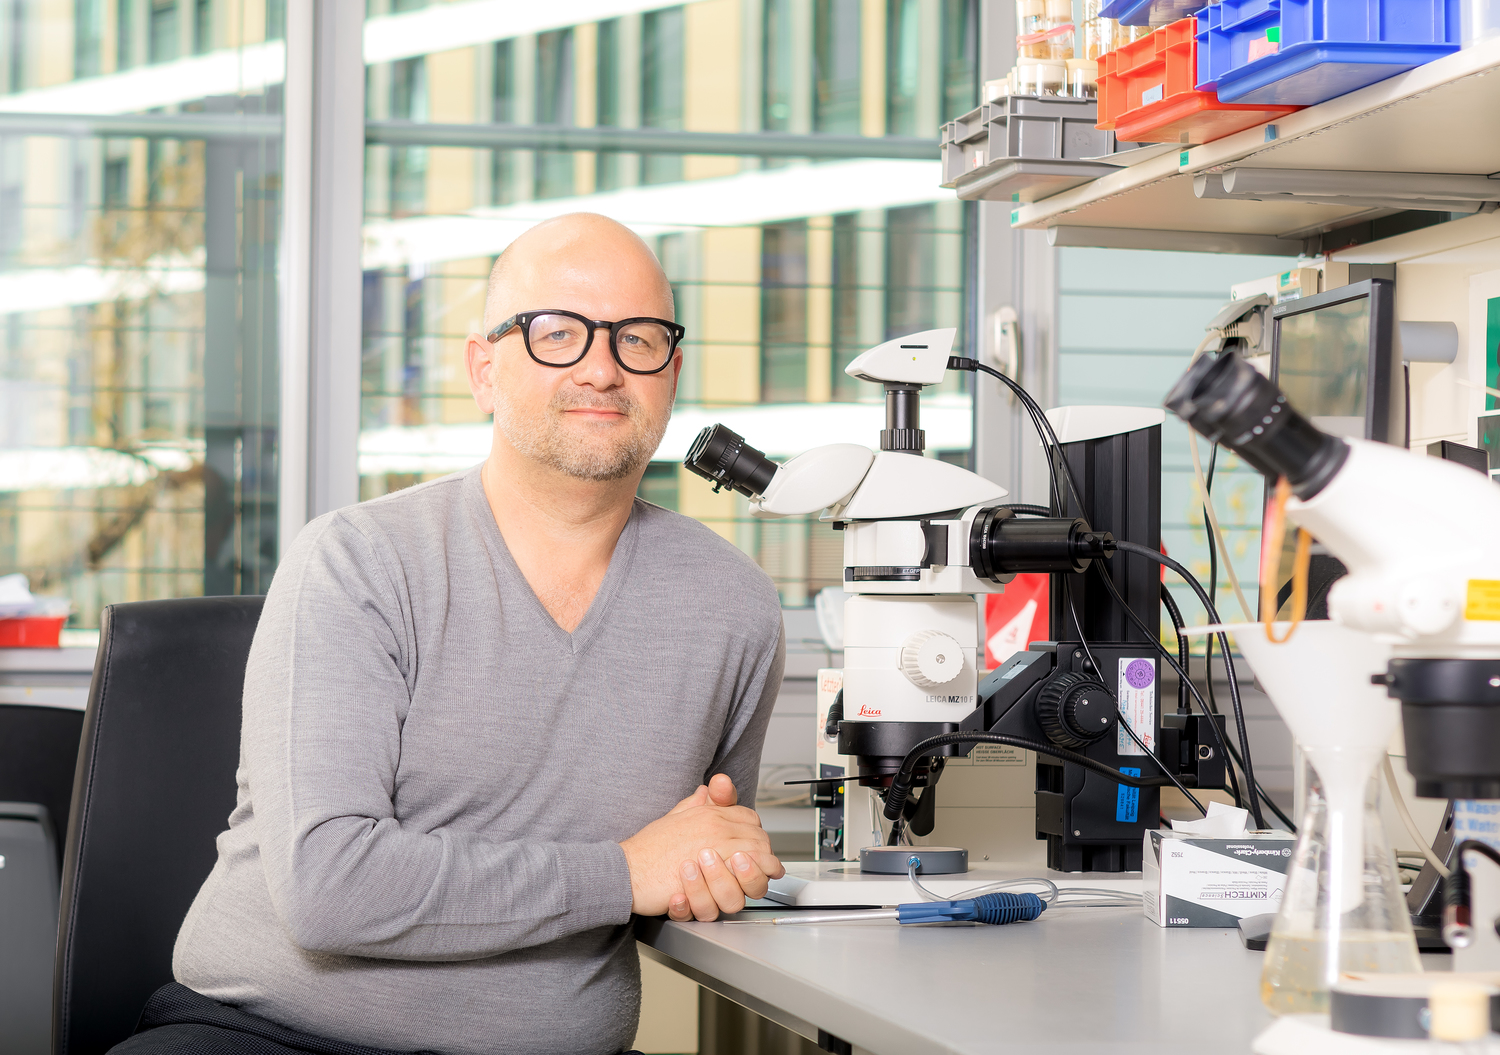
pixel 1417 535
pixel 922 537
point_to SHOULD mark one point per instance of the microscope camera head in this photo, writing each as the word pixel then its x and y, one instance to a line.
pixel 915 359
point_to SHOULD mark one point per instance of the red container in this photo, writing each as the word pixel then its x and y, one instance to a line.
pixel 1146 93
pixel 32 632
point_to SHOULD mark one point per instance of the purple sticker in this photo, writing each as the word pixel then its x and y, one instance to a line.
pixel 1140 673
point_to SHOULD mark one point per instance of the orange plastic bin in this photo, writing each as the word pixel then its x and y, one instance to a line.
pixel 38 631
pixel 1146 93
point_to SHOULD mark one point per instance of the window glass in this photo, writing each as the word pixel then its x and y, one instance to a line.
pixel 163 30
pixel 1128 323
pixel 138 310
pixel 504 111
pixel 783 303
pixel 408 165
pixel 903 66
pixel 661 87
pixel 776 296
pixel 836 39
pixel 130 15
pixel 554 106
pixel 960 57
pixel 777 60
pixel 88 37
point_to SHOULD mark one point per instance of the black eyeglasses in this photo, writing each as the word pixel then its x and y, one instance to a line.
pixel 561 338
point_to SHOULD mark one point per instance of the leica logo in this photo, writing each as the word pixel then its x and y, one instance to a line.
pixel 866 711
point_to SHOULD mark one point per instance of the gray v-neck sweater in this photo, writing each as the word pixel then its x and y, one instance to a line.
pixel 434 777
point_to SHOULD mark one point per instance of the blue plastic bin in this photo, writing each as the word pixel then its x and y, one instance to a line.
pixel 1150 12
pixel 1301 52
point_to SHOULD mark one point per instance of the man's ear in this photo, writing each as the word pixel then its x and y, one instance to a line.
pixel 676 369
pixel 479 361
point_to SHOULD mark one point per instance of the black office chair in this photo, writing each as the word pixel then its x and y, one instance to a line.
pixel 154 788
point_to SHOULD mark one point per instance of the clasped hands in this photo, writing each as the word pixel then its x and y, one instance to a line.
pixel 704 857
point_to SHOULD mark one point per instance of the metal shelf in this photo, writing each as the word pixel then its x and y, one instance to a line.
pixel 1440 118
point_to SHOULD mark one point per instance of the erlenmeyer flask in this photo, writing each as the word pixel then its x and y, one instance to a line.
pixel 1331 923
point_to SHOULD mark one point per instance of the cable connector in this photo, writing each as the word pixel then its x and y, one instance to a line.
pixel 994 909
pixel 1458 922
pixel 895 796
pixel 959 362
pixel 1458 929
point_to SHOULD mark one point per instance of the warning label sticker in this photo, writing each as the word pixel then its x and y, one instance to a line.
pixel 1136 696
pixel 1483 602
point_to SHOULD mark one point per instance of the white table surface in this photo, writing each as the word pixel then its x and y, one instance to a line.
pixel 1078 981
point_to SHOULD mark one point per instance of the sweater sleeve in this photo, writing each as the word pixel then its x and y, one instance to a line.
pixel 745 731
pixel 326 692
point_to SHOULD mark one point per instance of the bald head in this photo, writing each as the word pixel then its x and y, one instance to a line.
pixel 575 261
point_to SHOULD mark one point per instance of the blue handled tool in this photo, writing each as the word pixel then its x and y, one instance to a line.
pixel 986 908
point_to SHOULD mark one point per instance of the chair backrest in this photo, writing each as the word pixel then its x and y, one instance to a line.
pixel 154 788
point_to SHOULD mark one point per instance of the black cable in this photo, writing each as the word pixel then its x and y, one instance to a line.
pixel 1406 392
pixel 1141 626
pixel 1124 721
pixel 1224 746
pixel 1234 688
pixel 1038 418
pixel 1125 724
pixel 1208 643
pixel 1183 707
pixel 1213 569
pixel 1186 687
pixel 1208 649
pixel 1044 428
pixel 1028 510
pixel 1269 801
pixel 900 787
pixel 1055 458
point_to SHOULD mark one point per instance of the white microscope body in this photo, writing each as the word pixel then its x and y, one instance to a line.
pixel 1416 535
pixel 911 636
pixel 911 628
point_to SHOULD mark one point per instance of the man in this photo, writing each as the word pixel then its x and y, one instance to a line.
pixel 479 713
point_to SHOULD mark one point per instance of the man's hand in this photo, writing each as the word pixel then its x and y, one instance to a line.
pixel 711 884
pixel 707 820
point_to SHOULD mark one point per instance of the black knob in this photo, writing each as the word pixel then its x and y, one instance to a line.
pixel 1075 709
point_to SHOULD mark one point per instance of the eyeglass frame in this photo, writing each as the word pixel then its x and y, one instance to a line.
pixel 521 320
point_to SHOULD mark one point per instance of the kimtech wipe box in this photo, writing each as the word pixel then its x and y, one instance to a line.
pixel 1197 881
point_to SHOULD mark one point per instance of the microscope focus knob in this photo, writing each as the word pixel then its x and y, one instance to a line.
pixel 1074 709
pixel 930 658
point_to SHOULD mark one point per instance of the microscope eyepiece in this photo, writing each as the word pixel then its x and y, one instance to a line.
pixel 722 456
pixel 1230 402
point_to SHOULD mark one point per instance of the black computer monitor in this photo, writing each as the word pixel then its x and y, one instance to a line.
pixel 1336 358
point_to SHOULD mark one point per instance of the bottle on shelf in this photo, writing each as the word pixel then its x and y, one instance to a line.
pixel 1098 33
pixel 1030 16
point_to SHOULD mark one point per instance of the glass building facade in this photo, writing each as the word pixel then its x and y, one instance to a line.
pixel 138 314
pixel 776 296
pixel 139 348
pixel 138 252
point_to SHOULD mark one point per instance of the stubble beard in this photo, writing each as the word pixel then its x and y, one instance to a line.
pixel 581 449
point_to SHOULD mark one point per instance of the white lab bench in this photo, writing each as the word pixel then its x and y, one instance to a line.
pixel 47 677
pixel 1078 981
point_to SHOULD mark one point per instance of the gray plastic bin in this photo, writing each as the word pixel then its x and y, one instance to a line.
pixel 28 928
pixel 1026 147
